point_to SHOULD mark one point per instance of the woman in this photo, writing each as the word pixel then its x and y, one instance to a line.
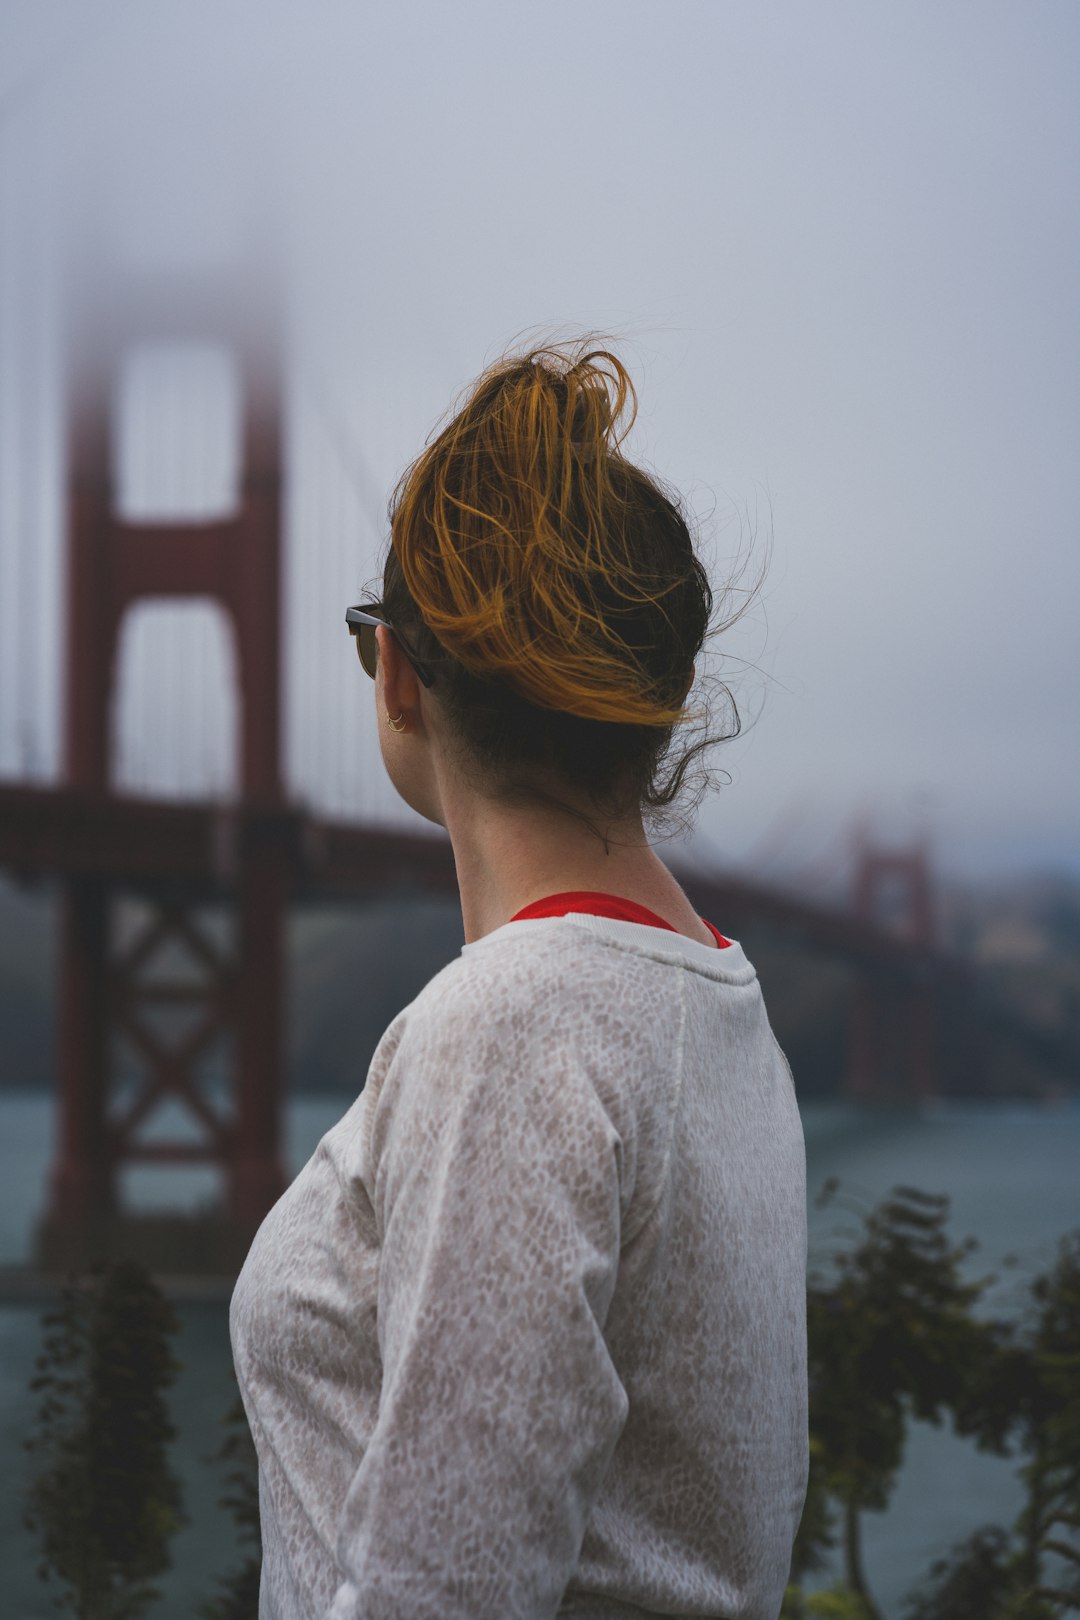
pixel 526 1336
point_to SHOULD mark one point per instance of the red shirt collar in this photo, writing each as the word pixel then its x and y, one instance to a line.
pixel 603 905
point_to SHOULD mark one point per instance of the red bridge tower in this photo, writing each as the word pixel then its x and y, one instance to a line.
pixel 892 1015
pixel 107 992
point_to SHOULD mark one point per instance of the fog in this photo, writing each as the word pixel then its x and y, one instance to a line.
pixel 836 244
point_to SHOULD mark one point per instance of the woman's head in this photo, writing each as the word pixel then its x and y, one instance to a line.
pixel 553 587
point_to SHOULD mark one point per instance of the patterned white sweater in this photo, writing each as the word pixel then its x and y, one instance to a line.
pixel 526 1336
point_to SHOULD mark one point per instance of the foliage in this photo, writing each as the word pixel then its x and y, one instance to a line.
pixel 816 1535
pixel 1037 1376
pixel 238 1598
pixel 836 1602
pixel 970 1583
pixel 892 1336
pixel 1051 1430
pixel 104 1501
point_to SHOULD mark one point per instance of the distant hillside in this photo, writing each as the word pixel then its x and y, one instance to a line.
pixel 352 971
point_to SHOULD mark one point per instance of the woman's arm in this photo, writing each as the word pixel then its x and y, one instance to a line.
pixel 498 1191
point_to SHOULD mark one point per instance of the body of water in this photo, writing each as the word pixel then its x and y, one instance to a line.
pixel 1010 1171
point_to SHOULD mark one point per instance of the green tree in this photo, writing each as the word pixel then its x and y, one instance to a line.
pixel 972 1582
pixel 835 1602
pixel 816 1535
pixel 238 1596
pixel 892 1335
pixel 1033 1384
pixel 104 1502
pixel 1051 1431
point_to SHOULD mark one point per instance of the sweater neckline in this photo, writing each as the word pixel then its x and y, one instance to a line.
pixel 595 903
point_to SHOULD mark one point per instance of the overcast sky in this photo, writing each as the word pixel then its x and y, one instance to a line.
pixel 836 242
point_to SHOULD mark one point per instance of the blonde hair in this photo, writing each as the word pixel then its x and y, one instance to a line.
pixel 552 581
pixel 514 534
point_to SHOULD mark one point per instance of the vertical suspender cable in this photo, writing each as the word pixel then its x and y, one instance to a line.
pixel 50 615
pixel 32 537
pixel 9 559
pixel 313 571
pixel 193 634
pixel 21 470
pixel 342 554
pixel 327 705
pixel 331 772
pixel 312 720
pixel 333 708
pixel 175 471
pixel 202 745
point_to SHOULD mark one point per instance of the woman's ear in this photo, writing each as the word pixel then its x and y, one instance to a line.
pixel 400 687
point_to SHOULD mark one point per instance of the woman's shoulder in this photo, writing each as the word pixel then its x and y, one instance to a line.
pixel 549 1006
pixel 538 975
pixel 543 1040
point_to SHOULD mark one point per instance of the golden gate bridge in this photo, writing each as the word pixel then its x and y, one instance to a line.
pixel 253 854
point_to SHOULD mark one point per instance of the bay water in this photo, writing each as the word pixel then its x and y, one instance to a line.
pixel 1011 1171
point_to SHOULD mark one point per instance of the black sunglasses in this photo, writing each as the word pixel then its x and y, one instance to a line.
pixel 362 623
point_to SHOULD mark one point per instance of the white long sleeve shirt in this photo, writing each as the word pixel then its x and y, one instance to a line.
pixel 526 1336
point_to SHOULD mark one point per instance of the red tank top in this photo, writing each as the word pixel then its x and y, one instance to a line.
pixel 603 905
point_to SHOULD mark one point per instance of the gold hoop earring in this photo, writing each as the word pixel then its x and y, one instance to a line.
pixel 396 725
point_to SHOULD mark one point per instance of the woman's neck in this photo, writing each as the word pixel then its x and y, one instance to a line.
pixel 508 857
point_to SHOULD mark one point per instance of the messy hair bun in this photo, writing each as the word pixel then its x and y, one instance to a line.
pixel 553 585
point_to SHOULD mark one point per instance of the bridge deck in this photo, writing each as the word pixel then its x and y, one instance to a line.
pixel 200 850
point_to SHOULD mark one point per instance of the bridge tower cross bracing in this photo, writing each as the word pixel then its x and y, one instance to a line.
pixel 113 563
